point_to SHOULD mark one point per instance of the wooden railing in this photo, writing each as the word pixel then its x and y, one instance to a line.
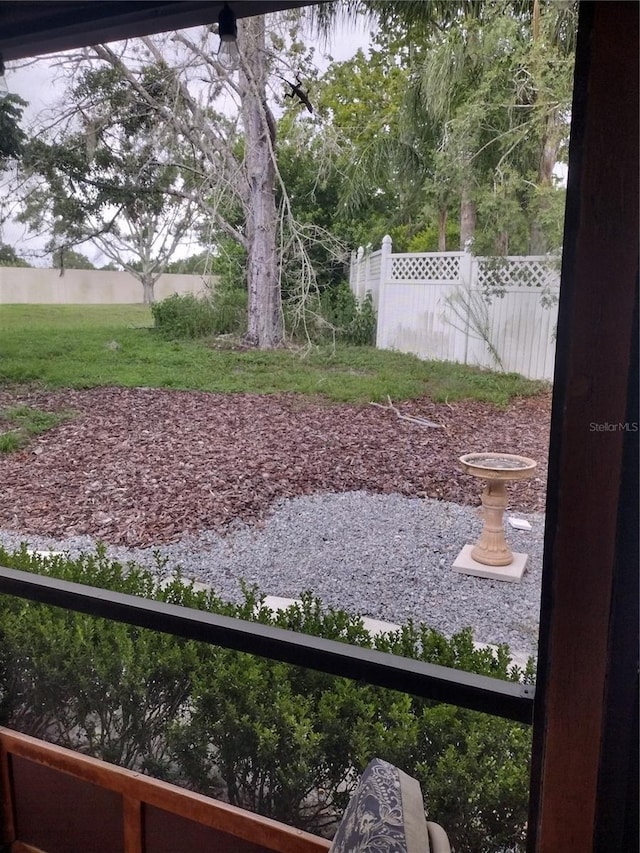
pixel 58 801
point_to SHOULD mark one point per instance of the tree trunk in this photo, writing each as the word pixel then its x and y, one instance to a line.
pixel 467 219
pixel 548 158
pixel 501 244
pixel 549 152
pixel 537 241
pixel 265 325
pixel 442 230
pixel 147 290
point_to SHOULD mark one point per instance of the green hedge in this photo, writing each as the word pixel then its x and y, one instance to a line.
pixel 282 740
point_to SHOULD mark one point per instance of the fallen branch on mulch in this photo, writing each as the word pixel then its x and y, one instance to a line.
pixel 420 421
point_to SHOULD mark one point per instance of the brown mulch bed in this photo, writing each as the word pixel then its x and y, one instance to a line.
pixel 142 466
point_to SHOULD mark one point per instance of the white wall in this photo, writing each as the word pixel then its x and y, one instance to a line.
pixel 86 287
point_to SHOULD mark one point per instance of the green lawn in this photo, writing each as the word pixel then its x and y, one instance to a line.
pixel 19 423
pixel 89 345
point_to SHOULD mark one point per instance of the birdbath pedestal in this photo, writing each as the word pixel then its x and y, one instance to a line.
pixel 491 557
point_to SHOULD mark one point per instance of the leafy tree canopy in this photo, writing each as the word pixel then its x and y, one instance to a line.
pixel 71 260
pixel 9 257
pixel 457 105
pixel 12 137
pixel 198 264
pixel 112 173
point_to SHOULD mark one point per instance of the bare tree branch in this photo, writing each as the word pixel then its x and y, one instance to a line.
pixel 423 422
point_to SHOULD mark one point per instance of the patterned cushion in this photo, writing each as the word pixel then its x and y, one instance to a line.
pixel 384 815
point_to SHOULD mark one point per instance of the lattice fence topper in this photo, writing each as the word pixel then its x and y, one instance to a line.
pixel 426 268
pixel 496 274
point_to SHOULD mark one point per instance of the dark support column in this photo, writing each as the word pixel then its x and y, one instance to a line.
pixel 584 729
pixel 617 823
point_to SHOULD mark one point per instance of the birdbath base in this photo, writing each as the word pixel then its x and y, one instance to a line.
pixel 465 564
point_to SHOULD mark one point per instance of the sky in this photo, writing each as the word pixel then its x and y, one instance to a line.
pixel 34 80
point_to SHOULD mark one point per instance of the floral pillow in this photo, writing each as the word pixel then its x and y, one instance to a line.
pixel 385 814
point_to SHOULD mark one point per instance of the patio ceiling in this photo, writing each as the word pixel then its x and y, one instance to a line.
pixel 33 28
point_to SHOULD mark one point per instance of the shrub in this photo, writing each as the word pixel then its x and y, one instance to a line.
pixel 184 316
pixel 108 689
pixel 187 316
pixel 230 310
pixel 352 323
pixel 229 264
pixel 285 741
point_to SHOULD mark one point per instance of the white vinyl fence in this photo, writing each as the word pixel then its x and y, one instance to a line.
pixel 499 313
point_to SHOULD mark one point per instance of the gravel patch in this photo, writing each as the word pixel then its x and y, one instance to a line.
pixel 388 557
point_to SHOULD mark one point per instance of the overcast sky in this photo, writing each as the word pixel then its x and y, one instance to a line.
pixel 34 80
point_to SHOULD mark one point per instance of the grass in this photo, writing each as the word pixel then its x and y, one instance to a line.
pixel 50 317
pixel 25 422
pixel 87 346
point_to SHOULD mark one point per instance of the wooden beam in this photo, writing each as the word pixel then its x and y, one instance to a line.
pixel 7 811
pixel 34 27
pixel 586 508
pixel 132 824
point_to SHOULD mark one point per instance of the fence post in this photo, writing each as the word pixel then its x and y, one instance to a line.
pixel 353 284
pixel 366 263
pixel 359 271
pixel 467 269
pixel 385 276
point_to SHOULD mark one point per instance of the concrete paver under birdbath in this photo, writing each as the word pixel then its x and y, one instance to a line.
pixel 491 556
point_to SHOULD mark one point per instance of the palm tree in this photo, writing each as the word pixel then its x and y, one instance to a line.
pixel 485 114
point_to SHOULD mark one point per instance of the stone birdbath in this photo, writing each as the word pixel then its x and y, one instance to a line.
pixel 491 557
